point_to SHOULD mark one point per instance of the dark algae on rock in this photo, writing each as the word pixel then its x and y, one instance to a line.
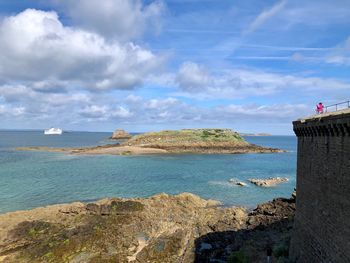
pixel 162 228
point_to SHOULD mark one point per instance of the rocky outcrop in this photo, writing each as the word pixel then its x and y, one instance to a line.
pixel 120 135
pixel 267 226
pixel 162 228
pixel 203 141
pixel 197 141
pixel 271 181
pixel 236 182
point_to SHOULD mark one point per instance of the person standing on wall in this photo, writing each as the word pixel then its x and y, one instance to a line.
pixel 319 108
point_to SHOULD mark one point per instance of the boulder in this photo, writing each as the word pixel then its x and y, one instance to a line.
pixel 120 134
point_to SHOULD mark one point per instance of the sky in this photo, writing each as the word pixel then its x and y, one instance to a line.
pixel 91 65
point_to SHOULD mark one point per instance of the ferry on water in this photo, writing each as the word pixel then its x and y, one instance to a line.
pixel 53 131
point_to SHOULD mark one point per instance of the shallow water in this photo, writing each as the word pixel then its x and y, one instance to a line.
pixel 31 179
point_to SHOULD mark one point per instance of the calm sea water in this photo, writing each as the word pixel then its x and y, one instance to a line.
pixel 31 179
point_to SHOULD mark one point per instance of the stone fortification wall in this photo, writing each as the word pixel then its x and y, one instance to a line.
pixel 322 220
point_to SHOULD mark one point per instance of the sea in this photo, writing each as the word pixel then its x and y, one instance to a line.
pixel 30 179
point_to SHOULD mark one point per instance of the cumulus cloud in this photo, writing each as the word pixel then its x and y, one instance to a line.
pixel 121 112
pixel 77 109
pixel 37 47
pixel 192 77
pixel 8 110
pixel 118 19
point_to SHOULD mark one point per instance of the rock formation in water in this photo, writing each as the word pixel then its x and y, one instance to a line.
pixel 272 181
pixel 197 141
pixel 120 134
pixel 162 228
pixel 209 141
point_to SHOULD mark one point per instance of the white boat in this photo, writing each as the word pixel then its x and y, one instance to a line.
pixel 53 131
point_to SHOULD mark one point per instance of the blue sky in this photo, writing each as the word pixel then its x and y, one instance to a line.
pixel 253 66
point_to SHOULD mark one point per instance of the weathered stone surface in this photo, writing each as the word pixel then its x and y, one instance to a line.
pixel 162 228
pixel 271 181
pixel 270 224
pixel 120 134
pixel 322 225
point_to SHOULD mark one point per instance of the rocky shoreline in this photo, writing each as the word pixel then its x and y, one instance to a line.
pixel 162 228
pixel 197 141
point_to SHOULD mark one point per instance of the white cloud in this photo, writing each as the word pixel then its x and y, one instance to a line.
pixel 37 47
pixel 257 112
pixel 9 110
pixel 121 112
pixel 264 16
pixel 94 111
pixel 118 19
pixel 192 77
pixel 161 104
pixel 315 13
pixel 241 83
pixel 340 55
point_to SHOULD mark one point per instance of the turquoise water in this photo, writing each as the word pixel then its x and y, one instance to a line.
pixel 31 179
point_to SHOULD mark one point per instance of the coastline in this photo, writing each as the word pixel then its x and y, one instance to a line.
pixel 193 141
pixel 140 150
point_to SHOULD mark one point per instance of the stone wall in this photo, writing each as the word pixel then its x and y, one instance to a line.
pixel 322 220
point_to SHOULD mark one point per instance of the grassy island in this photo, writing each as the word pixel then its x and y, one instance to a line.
pixel 196 141
pixel 209 141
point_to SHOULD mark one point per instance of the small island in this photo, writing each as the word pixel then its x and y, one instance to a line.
pixel 120 135
pixel 201 141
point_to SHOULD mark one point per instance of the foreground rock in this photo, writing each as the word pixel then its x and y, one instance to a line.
pixel 120 135
pixel 162 228
pixel 269 225
pixel 272 181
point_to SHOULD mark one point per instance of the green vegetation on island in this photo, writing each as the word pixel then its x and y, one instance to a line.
pixel 209 141
pixel 196 141
pixel 187 136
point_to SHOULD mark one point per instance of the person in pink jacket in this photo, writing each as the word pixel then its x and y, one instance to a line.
pixel 319 108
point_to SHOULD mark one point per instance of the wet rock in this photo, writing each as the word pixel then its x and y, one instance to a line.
pixel 163 228
pixel 120 135
pixel 271 181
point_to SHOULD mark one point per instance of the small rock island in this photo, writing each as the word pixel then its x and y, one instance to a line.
pixel 120 135
pixel 201 141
